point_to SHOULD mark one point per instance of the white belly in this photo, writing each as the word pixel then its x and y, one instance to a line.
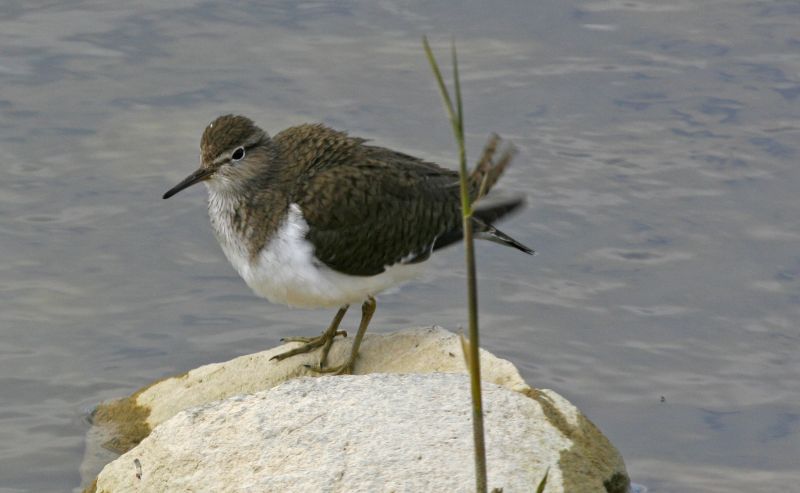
pixel 286 271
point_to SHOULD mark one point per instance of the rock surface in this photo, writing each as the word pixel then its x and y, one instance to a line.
pixel 409 432
pixel 418 350
pixel 357 434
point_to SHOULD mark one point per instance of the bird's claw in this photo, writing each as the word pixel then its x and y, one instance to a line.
pixel 309 344
pixel 344 369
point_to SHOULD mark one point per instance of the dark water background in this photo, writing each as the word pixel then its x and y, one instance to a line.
pixel 658 151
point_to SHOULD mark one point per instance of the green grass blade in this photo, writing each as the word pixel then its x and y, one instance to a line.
pixel 457 121
pixel 543 482
pixel 457 86
pixel 448 104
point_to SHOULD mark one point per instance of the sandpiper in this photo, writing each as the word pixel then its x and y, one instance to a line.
pixel 315 218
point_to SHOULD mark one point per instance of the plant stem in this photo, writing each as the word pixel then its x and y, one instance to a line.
pixel 475 360
pixel 457 121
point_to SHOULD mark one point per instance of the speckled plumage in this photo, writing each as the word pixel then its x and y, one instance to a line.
pixel 367 207
pixel 313 217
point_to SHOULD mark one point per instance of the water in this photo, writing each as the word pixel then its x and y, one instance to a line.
pixel 658 151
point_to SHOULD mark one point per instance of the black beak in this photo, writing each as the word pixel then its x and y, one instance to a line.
pixel 201 174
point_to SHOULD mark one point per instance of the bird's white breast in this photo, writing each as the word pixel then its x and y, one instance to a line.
pixel 286 271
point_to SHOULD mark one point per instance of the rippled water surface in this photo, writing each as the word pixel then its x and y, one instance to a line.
pixel 658 151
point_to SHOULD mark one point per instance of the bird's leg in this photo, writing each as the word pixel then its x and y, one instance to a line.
pixel 367 309
pixel 325 340
pixel 323 358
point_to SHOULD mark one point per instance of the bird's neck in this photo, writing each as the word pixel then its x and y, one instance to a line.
pixel 245 219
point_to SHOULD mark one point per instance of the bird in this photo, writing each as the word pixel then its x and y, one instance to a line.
pixel 313 217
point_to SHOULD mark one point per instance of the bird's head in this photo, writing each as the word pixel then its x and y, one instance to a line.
pixel 233 149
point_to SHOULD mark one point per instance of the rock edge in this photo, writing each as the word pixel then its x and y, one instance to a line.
pixel 423 350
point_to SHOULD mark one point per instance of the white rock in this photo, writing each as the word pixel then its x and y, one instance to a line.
pixel 407 431
pixel 375 433
pixel 418 350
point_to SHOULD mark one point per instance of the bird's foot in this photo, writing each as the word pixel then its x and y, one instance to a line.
pixel 343 369
pixel 309 344
pixel 309 340
pixel 367 309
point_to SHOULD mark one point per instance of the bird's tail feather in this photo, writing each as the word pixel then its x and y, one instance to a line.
pixel 483 216
pixel 485 175
pixel 488 232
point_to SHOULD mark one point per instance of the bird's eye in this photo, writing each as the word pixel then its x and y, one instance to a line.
pixel 238 154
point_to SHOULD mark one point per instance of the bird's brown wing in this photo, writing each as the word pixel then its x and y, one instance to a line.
pixel 379 209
